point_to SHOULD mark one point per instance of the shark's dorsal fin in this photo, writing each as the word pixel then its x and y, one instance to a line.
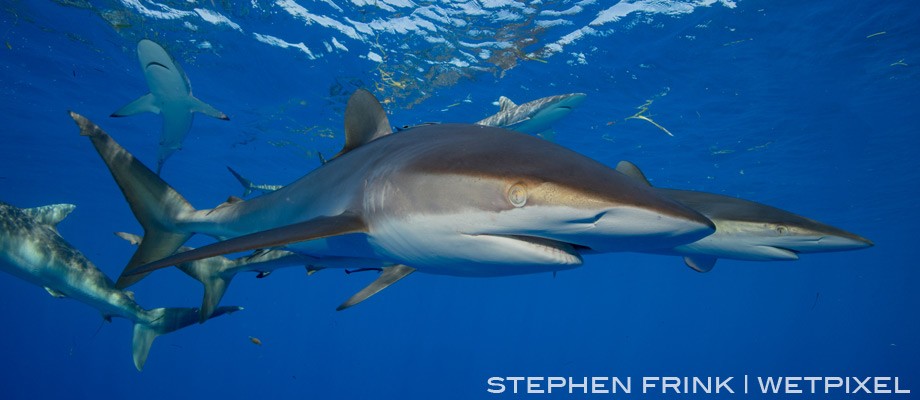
pixel 50 214
pixel 631 170
pixel 504 103
pixel 317 228
pixel 54 293
pixel 389 276
pixel 365 121
pixel 700 263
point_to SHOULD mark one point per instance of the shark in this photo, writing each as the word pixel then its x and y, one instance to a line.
pixel 31 249
pixel 170 96
pixel 249 186
pixel 450 199
pixel 750 231
pixel 533 117
pixel 216 273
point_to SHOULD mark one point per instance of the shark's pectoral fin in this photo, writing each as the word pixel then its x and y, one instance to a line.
pixel 54 293
pixel 146 103
pixel 389 276
pixel 700 263
pixel 631 170
pixel 316 228
pixel 206 109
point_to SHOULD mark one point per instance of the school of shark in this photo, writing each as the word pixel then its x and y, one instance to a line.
pixel 482 199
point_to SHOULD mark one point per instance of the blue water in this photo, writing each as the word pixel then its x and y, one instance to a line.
pixel 807 106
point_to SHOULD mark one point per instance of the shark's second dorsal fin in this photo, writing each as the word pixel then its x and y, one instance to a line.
pixel 631 170
pixel 505 103
pixel 50 214
pixel 365 121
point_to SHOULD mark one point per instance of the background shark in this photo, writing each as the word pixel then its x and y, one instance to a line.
pixel 216 273
pixel 31 249
pixel 746 230
pixel 534 117
pixel 170 96
pixel 508 204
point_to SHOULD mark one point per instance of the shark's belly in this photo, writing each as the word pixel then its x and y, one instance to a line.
pixel 736 247
pixel 440 245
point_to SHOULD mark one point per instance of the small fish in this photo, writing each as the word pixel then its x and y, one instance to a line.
pixel 256 341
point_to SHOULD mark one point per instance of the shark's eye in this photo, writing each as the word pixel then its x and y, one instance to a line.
pixel 517 195
pixel 781 230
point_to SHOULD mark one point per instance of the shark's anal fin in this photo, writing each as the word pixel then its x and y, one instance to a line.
pixel 631 170
pixel 54 293
pixel 316 228
pixel 389 276
pixel 365 121
pixel 700 263
pixel 146 103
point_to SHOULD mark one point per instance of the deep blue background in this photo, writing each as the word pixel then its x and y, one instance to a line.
pixel 794 104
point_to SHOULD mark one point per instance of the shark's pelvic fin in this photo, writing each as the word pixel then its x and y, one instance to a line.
pixel 365 121
pixel 145 103
pixel 51 214
pixel 155 204
pixel 316 228
pixel 700 263
pixel 631 170
pixel 505 104
pixel 161 321
pixel 389 276
pixel 54 293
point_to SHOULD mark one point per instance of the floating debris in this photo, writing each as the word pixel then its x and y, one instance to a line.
pixel 256 341
pixel 876 34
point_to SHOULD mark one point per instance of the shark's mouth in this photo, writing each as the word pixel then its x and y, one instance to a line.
pixel 156 64
pixel 560 252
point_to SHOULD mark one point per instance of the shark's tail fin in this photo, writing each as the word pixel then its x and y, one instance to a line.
pixel 155 204
pixel 247 184
pixel 214 273
pixel 161 321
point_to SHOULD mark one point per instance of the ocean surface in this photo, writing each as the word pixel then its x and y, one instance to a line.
pixel 807 106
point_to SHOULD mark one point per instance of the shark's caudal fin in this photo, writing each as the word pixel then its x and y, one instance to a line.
pixel 161 321
pixel 247 184
pixel 155 204
pixel 214 273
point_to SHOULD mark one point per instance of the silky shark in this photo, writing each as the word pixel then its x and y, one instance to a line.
pixel 533 117
pixel 170 96
pixel 249 186
pixel 746 230
pixel 216 273
pixel 32 249
pixel 452 199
